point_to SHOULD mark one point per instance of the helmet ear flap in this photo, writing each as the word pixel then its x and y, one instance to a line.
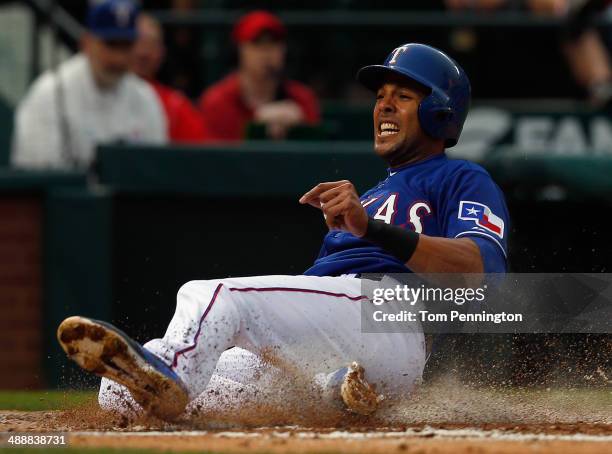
pixel 444 115
pixel 435 116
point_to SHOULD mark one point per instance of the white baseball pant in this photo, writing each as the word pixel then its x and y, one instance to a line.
pixel 282 326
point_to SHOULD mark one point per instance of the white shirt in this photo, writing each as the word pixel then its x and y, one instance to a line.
pixel 129 112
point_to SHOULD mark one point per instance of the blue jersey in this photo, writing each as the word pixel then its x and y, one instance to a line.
pixel 438 197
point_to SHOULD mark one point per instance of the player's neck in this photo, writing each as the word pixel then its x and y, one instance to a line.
pixel 412 157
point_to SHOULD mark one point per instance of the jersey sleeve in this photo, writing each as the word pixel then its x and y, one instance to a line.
pixel 473 206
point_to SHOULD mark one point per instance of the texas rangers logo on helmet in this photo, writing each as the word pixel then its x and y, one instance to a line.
pixel 396 52
pixel 482 215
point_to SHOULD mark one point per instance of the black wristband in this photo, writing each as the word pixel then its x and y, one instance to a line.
pixel 398 241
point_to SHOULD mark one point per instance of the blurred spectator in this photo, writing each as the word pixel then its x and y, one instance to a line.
pixel 90 99
pixel 258 91
pixel 586 53
pixel 185 123
pixel 582 45
pixel 182 68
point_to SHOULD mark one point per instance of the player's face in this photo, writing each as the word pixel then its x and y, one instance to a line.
pixel 398 136
pixel 109 60
pixel 263 58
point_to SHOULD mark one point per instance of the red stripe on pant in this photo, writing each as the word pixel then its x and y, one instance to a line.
pixel 254 289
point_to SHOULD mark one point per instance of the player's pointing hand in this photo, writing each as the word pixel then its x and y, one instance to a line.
pixel 340 204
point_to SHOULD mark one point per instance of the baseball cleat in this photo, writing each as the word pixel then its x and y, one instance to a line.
pixel 358 396
pixel 104 350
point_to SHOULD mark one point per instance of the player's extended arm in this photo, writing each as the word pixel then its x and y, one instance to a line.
pixel 445 255
pixel 342 209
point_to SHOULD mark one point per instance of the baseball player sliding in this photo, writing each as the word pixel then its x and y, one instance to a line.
pixel 430 214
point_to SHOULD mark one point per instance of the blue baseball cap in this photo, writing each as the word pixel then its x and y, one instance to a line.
pixel 113 20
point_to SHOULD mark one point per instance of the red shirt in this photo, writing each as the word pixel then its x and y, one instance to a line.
pixel 185 123
pixel 226 115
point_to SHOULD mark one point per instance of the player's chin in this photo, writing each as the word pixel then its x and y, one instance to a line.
pixel 385 146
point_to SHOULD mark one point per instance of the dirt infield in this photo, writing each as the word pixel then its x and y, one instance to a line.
pixel 424 439
pixel 440 418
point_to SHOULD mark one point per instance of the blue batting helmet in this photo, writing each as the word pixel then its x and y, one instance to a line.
pixel 441 113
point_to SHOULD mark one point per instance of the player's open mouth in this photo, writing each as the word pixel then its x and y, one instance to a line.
pixel 387 128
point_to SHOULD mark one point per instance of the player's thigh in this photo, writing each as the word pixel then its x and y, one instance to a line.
pixel 314 323
pixel 296 316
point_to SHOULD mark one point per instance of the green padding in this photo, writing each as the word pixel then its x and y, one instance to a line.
pixel 343 121
pixel 251 169
pixel 287 169
pixel 257 131
pixel 20 180
pixel 76 244
pixel 78 275
pixel 578 176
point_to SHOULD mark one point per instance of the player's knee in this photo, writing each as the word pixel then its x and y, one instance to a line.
pixel 198 291
pixel 192 288
pixel 194 296
pixel 188 293
pixel 187 287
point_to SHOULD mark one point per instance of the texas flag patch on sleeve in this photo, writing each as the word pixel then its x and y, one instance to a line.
pixel 482 215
